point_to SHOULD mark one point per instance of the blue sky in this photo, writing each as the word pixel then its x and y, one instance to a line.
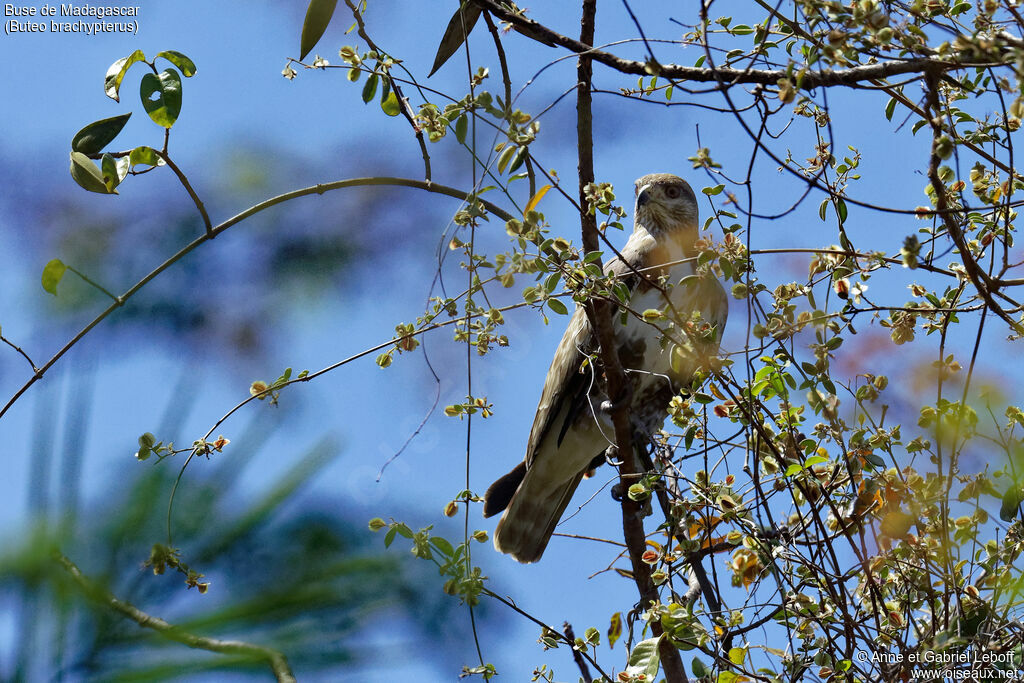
pixel 54 86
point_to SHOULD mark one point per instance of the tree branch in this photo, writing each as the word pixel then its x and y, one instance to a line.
pixel 977 277
pixel 616 383
pixel 727 76
pixel 276 660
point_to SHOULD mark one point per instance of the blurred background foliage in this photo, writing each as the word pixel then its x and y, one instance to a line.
pixel 288 568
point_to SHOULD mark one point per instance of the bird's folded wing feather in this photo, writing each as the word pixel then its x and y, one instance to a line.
pixel 565 385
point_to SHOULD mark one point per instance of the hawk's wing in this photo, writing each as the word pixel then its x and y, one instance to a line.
pixel 566 385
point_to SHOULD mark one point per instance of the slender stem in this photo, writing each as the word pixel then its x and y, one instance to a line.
pixel 19 350
pixel 188 188
pixel 88 280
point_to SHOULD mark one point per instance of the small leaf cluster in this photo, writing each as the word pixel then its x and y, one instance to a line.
pixel 161 95
pixel 464 580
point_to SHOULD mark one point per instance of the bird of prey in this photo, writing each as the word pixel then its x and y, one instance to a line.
pixel 571 430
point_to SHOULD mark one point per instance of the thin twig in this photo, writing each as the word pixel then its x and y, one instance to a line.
pixel 183 179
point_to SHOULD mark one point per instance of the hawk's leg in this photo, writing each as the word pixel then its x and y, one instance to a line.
pixel 643 445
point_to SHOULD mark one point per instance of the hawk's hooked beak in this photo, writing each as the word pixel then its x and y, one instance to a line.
pixel 643 196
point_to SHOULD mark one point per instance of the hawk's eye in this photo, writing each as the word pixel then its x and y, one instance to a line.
pixel 672 192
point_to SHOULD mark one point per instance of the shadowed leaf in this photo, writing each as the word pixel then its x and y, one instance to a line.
pixel 318 16
pixel 87 174
pixel 455 35
pixel 161 97
pixel 98 134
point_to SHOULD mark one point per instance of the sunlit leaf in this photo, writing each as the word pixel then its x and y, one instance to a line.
pixel 645 659
pixel 52 274
pixel 535 199
pixel 98 134
pixel 187 66
pixel 111 175
pixel 144 155
pixel 116 72
pixel 390 105
pixel 615 629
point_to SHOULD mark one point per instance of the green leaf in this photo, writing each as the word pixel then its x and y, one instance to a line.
pixel 519 158
pixel 370 88
pixel 814 460
pixel 461 128
pixel 644 659
pixel 711 191
pixel 557 306
pixel 318 16
pixel 1007 511
pixel 98 134
pixel 52 273
pixel 144 155
pixel 504 158
pixel 116 72
pixel 161 96
pixel 822 209
pixel 86 174
pixel 111 174
pixel 389 101
pixel 552 282
pixel 698 668
pixel 461 23
pixel 187 66
pixel 841 210
pixel 443 545
pixel 890 107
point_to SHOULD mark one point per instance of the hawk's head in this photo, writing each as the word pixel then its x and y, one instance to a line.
pixel 665 203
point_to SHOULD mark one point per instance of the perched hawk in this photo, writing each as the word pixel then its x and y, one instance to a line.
pixel 570 431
